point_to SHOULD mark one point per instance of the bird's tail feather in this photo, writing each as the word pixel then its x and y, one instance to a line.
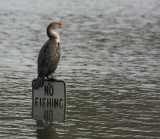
pixel 39 82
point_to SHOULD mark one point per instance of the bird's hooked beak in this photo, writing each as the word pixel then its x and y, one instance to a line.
pixel 62 26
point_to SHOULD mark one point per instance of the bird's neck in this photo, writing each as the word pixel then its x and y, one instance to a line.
pixel 53 35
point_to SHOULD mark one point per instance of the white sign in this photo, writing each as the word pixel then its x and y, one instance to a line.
pixel 49 101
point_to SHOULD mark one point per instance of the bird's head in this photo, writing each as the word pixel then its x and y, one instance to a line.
pixel 50 29
pixel 56 25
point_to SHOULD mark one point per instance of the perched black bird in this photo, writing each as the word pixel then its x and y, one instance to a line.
pixel 49 55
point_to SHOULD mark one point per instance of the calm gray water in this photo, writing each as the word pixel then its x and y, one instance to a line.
pixel 110 62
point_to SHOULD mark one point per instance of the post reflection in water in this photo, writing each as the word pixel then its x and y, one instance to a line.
pixel 45 130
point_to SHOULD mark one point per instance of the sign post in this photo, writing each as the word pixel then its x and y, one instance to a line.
pixel 49 101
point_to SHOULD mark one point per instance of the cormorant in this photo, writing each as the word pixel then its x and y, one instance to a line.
pixel 49 54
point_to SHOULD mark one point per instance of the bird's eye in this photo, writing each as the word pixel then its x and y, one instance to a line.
pixel 60 26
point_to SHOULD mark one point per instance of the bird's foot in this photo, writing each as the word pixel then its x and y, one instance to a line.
pixel 51 78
